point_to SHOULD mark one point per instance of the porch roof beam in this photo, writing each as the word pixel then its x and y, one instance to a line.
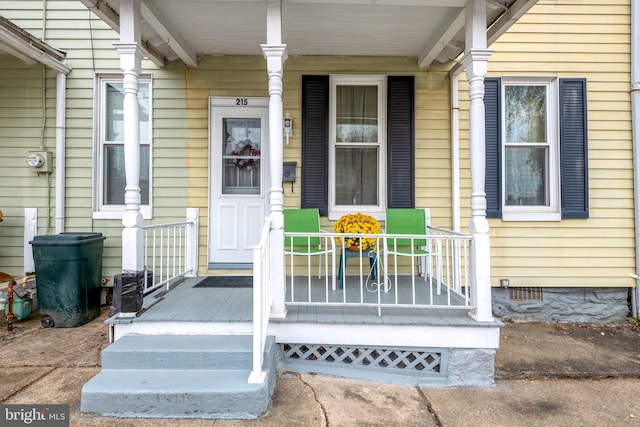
pixel 28 48
pixel 112 18
pixel 173 39
pixel 507 19
pixel 446 33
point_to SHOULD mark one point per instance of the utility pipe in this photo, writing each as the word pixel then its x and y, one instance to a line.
pixel 61 111
pixel 455 150
pixel 635 137
pixel 43 147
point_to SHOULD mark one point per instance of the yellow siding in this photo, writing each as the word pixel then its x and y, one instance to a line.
pixel 589 39
pixel 432 122
pixel 246 76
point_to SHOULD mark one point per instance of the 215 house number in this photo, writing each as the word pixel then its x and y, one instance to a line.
pixel 242 102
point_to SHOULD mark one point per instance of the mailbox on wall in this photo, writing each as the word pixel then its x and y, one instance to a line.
pixel 289 173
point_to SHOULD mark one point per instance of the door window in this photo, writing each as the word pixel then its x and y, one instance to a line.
pixel 241 155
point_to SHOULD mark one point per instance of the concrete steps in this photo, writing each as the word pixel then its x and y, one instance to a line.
pixel 180 376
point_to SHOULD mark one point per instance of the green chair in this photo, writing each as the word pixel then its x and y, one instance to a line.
pixel 307 221
pixel 413 224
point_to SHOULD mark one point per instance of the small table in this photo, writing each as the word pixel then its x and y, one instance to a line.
pixel 345 255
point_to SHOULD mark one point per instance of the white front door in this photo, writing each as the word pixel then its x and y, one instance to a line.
pixel 239 175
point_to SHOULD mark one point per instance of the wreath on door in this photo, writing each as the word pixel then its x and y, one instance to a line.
pixel 247 150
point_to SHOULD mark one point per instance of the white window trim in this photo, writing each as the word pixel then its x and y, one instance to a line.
pixel 102 211
pixel 537 213
pixel 335 212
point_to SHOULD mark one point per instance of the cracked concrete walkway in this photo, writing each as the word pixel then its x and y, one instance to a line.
pixel 546 376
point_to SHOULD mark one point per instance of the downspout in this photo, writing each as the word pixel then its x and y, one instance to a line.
pixel 455 150
pixel 44 114
pixel 61 105
pixel 635 120
pixel 42 147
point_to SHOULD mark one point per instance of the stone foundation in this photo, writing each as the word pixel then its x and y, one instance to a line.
pixel 471 367
pixel 566 305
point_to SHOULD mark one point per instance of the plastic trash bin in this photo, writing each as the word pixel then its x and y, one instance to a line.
pixel 68 277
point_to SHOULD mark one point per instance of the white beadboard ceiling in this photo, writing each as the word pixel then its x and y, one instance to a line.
pixel 429 30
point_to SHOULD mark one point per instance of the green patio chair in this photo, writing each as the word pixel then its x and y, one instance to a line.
pixel 413 223
pixel 308 221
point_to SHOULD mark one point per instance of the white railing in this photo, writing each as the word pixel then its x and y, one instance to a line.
pixel 261 301
pixel 433 276
pixel 170 251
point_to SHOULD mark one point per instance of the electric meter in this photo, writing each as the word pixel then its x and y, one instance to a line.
pixel 35 160
pixel 40 161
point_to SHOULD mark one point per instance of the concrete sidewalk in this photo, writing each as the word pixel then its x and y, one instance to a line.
pixel 546 375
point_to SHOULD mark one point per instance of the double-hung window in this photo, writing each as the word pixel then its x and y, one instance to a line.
pixel 530 150
pixel 536 165
pixel 109 159
pixel 357 135
pixel 358 144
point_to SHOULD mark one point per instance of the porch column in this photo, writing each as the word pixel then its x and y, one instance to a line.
pixel 276 53
pixel 130 62
pixel 475 62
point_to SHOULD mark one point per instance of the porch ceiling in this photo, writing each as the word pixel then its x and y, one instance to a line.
pixel 430 30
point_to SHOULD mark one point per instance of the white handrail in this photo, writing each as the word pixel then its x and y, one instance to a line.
pixel 167 248
pixel 382 281
pixel 261 302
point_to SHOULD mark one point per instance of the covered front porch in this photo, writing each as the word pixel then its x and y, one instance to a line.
pixel 412 325
pixel 432 325
pixel 191 307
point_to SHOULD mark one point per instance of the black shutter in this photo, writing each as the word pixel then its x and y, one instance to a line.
pixel 315 143
pixel 493 145
pixel 400 142
pixel 573 149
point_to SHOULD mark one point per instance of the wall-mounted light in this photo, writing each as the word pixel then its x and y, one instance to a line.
pixel 287 126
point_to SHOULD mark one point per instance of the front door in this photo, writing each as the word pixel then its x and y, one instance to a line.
pixel 239 176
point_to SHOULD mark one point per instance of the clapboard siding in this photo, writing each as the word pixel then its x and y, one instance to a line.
pixel 588 39
pixel 88 42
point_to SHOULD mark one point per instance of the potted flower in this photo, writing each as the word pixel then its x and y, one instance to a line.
pixel 353 224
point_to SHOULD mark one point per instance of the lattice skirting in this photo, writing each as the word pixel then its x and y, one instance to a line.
pixel 412 362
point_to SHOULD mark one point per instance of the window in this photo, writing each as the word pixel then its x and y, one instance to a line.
pixel 109 160
pixel 241 155
pixel 357 143
pixel 530 144
pixel 536 149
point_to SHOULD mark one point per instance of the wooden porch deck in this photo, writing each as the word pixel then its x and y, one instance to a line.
pixel 187 303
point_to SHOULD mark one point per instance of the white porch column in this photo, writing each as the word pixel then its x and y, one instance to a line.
pixel 276 53
pixel 130 63
pixel 475 62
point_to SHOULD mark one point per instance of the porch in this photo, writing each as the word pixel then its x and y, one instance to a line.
pixel 381 301
pixel 189 308
pixel 205 346
pixel 389 344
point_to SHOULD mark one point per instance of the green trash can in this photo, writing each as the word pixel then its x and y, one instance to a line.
pixel 68 277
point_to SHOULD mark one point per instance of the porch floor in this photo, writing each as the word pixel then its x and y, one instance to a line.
pixel 186 303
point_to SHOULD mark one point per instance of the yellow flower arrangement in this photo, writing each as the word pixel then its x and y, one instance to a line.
pixel 359 223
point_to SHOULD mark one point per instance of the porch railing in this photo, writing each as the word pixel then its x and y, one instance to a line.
pixel 261 301
pixel 437 277
pixel 170 251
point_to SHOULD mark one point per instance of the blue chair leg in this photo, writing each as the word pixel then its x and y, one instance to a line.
pixel 341 270
pixel 373 263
